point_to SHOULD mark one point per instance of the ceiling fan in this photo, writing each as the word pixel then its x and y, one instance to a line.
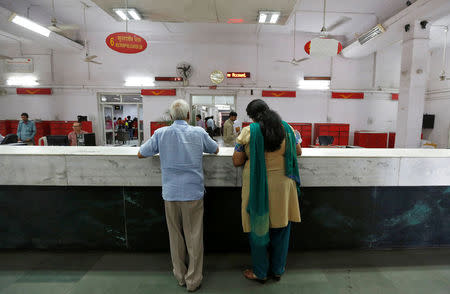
pixel 88 58
pixel 443 76
pixel 59 28
pixel 294 61
pixel 3 57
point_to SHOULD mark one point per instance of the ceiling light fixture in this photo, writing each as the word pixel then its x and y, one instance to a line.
pixel 121 14
pixel 22 81
pixel 314 83
pixel 128 13
pixel 139 82
pixel 30 25
pixel 269 17
pixel 373 33
pixel 274 18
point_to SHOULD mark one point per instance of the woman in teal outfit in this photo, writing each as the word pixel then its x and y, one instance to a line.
pixel 268 149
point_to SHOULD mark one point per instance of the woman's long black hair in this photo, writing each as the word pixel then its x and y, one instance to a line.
pixel 270 122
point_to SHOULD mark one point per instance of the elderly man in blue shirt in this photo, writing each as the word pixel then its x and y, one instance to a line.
pixel 26 130
pixel 180 147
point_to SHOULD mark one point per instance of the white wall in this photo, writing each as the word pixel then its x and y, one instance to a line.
pixel 257 55
pixel 438 100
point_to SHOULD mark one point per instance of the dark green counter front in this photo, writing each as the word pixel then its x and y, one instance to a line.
pixel 128 218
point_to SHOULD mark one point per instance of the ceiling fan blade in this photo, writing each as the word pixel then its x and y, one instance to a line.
pixel 284 61
pixel 340 22
pixel 5 57
pixel 89 58
pixel 55 29
pixel 69 27
pixel 300 60
pixel 96 62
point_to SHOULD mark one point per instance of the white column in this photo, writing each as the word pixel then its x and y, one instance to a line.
pixel 413 83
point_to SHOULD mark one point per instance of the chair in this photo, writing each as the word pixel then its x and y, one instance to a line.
pixel 326 140
pixel 122 136
pixel 9 139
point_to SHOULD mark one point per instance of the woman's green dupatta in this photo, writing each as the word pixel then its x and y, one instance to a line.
pixel 258 205
pixel 290 157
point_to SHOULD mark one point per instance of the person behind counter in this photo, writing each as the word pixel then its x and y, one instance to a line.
pixel 76 137
pixel 210 126
pixel 180 147
pixel 200 122
pixel 129 126
pixel 270 187
pixel 229 135
pixel 26 130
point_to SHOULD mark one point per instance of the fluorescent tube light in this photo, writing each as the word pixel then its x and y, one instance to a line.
pixel 30 25
pixel 128 13
pixel 373 33
pixel 269 17
pixel 262 17
pixel 22 81
pixel 314 84
pixel 121 14
pixel 139 82
pixel 274 17
pixel 134 14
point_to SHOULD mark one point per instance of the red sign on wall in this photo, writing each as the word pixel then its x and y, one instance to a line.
pixel 394 96
pixel 238 75
pixel 339 95
pixel 34 91
pixel 159 92
pixel 127 43
pixel 279 94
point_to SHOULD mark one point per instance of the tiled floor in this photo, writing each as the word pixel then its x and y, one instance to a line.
pixel 384 272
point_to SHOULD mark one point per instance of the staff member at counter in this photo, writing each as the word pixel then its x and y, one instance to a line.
pixel 26 130
pixel 180 149
pixel 229 135
pixel 76 137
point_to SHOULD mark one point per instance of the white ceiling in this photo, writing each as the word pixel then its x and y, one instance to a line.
pixel 363 14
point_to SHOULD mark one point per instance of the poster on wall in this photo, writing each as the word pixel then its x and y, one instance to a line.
pixel 34 91
pixel 127 43
pixel 19 65
pixel 158 92
pixel 279 94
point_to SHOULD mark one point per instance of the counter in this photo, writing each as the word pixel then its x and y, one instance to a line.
pixel 107 198
pixel 319 167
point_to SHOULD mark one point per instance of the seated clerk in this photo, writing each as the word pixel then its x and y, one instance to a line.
pixel 76 137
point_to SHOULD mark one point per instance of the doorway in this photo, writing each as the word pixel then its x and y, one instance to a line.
pixel 217 106
pixel 122 119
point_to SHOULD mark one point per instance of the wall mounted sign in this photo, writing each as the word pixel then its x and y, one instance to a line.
pixel 127 43
pixel 395 96
pixel 238 75
pixel 19 65
pixel 340 95
pixel 279 94
pixel 168 79
pixel 34 91
pixel 159 92
pixel 323 47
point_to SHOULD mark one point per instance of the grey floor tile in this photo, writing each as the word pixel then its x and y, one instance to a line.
pixel 346 272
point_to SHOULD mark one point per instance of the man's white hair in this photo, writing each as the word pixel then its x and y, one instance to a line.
pixel 179 110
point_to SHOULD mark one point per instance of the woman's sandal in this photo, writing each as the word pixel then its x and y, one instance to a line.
pixel 276 277
pixel 248 274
